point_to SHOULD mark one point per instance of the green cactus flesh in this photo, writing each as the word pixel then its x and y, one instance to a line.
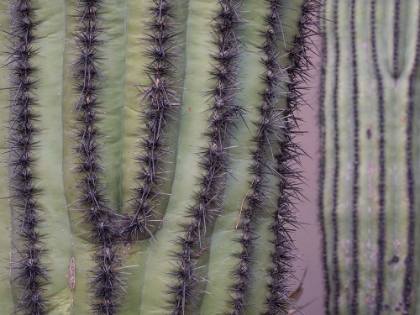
pixel 368 170
pixel 151 155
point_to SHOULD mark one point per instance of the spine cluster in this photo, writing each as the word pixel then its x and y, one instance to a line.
pixel 225 112
pixel 267 128
pixel 162 99
pixel 275 155
pixel 105 282
pixel 279 300
pixel 30 274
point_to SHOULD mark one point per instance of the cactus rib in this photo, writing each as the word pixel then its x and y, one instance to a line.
pixel 225 111
pixel 162 100
pixel 335 271
pixel 105 281
pixel 409 261
pixel 355 193
pixel 30 274
pixel 382 171
pixel 377 202
pixel 267 127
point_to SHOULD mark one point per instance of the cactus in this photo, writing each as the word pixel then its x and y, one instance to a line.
pixel 368 169
pixel 150 155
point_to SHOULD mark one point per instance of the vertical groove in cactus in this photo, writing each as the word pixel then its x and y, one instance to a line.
pixel 225 110
pixel 271 146
pixel 115 188
pixel 105 280
pixel 369 219
pixel 162 100
pixel 28 264
pixel 268 126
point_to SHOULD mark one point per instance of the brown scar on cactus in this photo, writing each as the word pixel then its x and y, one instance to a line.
pixel 72 275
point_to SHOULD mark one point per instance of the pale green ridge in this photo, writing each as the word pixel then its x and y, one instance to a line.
pixel 223 243
pixel 191 141
pixel 80 248
pixel 112 114
pixel 290 13
pixel 253 85
pixel 400 87
pixel 134 81
pixel 123 116
pixel 395 209
pixel 134 255
pixel 368 162
pixel 6 303
pixel 221 262
pixel 49 153
pixel 69 125
pixel 345 180
pixel 395 101
pixel 136 258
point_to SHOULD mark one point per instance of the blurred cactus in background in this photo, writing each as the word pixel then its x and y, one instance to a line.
pixel 150 154
pixel 369 148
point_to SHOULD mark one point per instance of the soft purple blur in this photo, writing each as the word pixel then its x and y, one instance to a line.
pixel 307 238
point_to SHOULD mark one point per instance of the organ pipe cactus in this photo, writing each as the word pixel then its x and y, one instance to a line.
pixel 369 147
pixel 150 155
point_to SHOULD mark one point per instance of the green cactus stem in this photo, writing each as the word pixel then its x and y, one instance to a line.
pixel 162 98
pixel 368 110
pixel 225 111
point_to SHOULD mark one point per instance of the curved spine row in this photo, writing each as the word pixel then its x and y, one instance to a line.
pixel 225 112
pixel 105 282
pixel 280 299
pixel 162 99
pixel 269 131
pixel 30 274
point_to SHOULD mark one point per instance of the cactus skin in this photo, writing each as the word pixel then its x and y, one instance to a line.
pixel 90 134
pixel 106 282
pixel 368 115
